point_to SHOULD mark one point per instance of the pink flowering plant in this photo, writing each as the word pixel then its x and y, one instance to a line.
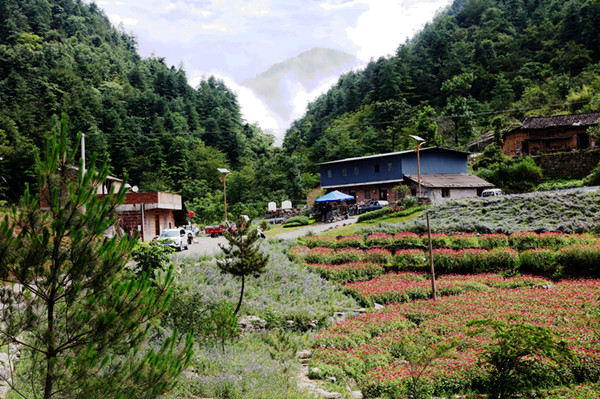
pixel 563 311
pixel 541 261
pixel 320 255
pixel 461 241
pixel 316 241
pixel 407 240
pixel 524 240
pixel 438 240
pixel 353 241
pixel 346 272
pixel 491 241
pixel 409 259
pixel 379 240
pixel 298 252
pixel 346 255
pixel 378 255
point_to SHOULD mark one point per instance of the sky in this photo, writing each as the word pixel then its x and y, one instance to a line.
pixel 239 39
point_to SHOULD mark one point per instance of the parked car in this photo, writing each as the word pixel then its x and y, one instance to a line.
pixel 373 206
pixel 492 192
pixel 175 238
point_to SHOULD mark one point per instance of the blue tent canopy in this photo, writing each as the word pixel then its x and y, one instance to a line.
pixel 334 196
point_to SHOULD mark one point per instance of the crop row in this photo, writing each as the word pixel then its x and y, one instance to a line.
pixel 409 286
pixel 574 260
pixel 518 241
pixel 384 351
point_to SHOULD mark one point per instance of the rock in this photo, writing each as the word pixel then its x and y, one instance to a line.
pixel 333 380
pixel 251 323
pixel 378 306
pixel 356 395
pixel 304 354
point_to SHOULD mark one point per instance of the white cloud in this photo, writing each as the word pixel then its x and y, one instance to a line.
pixel 387 23
pixel 127 21
pixel 110 3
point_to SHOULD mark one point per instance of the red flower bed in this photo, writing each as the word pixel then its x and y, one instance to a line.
pixel 564 309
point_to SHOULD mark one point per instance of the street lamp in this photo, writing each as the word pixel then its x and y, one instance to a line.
pixel 417 148
pixel 226 173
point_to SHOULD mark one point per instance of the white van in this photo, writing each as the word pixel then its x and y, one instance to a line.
pixel 492 192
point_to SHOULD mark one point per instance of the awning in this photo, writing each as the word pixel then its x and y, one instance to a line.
pixel 335 196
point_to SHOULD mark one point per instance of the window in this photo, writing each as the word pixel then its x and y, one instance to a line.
pixel 329 174
pixel 344 172
pixel 383 193
pixel 376 168
pixel 390 166
pixel 367 194
pixel 356 171
pixel 445 193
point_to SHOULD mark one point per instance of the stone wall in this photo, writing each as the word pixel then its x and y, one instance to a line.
pixel 576 164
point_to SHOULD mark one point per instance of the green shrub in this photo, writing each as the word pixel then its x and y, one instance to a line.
pixel 297 221
pixel 490 241
pixel 409 259
pixel 524 240
pixel 580 260
pixel 378 255
pixel 461 241
pixel 407 240
pixel 538 261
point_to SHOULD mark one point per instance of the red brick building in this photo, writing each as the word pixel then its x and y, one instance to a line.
pixel 548 134
pixel 146 213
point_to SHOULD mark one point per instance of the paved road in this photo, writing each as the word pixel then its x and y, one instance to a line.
pixel 210 246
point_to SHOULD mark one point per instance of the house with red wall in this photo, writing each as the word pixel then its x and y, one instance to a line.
pixel 546 134
pixel 145 213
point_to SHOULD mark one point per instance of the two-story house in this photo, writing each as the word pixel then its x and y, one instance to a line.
pixel 444 175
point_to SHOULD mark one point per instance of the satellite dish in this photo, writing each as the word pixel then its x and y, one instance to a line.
pixel 134 189
pixel 127 185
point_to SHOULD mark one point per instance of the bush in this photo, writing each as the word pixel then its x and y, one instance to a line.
pixel 490 241
pixel 461 241
pixel 409 259
pixel 580 260
pixel 378 255
pixel 379 240
pixel 375 214
pixel 346 255
pixel 320 255
pixel 524 240
pixel 407 240
pixel 297 221
pixel 537 261
pixel 554 240
pixel 502 259
pixel 316 241
pixel 353 241
pixel 438 240
pixel 347 272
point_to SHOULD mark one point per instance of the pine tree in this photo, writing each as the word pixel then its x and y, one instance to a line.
pixel 243 257
pixel 80 318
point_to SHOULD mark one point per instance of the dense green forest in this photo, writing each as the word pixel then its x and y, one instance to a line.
pixel 64 57
pixel 481 66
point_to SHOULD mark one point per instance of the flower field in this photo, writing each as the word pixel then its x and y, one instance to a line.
pixel 369 348
pixel 404 287
pixel 487 284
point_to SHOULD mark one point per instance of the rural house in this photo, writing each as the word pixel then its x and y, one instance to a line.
pixel 146 213
pixel 550 134
pixel 374 177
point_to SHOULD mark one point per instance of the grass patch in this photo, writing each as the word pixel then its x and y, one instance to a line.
pixel 356 227
pixel 279 229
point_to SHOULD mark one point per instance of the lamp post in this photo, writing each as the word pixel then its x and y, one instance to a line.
pixel 222 178
pixel 417 148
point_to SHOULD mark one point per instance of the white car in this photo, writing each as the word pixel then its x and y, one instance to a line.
pixel 492 192
pixel 175 238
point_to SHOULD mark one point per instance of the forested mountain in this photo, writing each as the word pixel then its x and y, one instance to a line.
pixel 64 57
pixel 481 66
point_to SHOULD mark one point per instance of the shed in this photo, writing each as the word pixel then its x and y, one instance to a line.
pixel 444 187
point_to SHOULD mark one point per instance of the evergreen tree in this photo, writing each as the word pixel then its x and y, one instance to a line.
pixel 243 257
pixel 80 318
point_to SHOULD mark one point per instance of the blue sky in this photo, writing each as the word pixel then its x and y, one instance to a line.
pixel 236 40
